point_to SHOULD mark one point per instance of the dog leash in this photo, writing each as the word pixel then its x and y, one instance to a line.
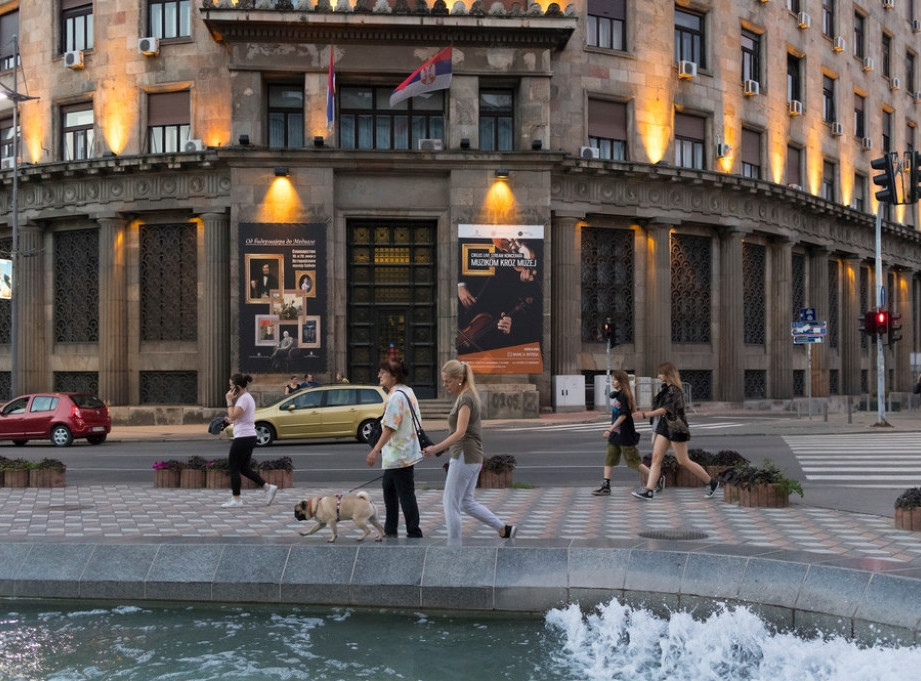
pixel 364 484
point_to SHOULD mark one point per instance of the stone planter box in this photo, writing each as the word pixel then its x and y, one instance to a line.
pixel 758 496
pixel 190 478
pixel 281 479
pixel 493 480
pixel 47 478
pixel 908 519
pixel 166 478
pixel 684 478
pixel 16 478
pixel 220 479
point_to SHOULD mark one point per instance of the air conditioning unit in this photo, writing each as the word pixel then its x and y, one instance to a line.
pixel 687 69
pixel 723 150
pixel 149 47
pixel 751 87
pixel 193 145
pixel 866 143
pixel 894 83
pixel 74 60
pixel 888 4
pixel 589 152
pixel 427 144
pixel 796 107
pixel 868 64
pixel 839 44
pixel 837 129
pixel 916 25
pixel 797 187
pixel 6 163
pixel 803 20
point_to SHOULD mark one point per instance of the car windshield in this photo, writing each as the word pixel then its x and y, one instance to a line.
pixel 274 400
pixel 87 401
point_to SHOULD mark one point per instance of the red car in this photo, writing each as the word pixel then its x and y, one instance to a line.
pixel 59 417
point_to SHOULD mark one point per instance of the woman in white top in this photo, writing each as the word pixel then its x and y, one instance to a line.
pixel 241 409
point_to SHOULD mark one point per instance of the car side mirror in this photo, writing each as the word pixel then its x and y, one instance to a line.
pixel 291 407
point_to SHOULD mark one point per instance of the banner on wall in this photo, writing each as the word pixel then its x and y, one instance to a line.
pixel 283 297
pixel 501 298
pixel 6 279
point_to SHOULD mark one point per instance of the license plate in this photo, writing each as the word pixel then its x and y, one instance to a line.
pixel 99 429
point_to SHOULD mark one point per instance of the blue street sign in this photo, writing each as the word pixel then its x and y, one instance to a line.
pixel 800 340
pixel 807 314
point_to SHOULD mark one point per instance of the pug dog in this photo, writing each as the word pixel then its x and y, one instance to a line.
pixel 330 510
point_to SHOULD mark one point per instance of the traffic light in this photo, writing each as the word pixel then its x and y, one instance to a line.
pixel 868 322
pixel 915 157
pixel 881 318
pixel 886 180
pixel 608 327
pixel 895 327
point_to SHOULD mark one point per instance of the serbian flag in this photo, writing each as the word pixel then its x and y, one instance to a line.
pixel 435 74
pixel 331 92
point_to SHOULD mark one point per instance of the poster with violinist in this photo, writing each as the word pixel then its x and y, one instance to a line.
pixel 501 298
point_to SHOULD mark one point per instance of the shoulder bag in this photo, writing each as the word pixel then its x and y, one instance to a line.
pixel 424 439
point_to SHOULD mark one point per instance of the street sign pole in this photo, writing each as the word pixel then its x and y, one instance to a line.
pixel 809 378
pixel 880 362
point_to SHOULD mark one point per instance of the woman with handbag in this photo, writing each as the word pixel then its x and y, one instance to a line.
pixel 621 435
pixel 399 449
pixel 466 445
pixel 671 429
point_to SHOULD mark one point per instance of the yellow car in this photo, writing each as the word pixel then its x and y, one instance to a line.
pixel 341 410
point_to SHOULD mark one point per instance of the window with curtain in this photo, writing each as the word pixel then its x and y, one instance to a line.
pixel 607 128
pixel 860 128
pixel 751 153
pixel 751 56
pixel 828 100
pixel 170 19
pixel 167 121
pixel 828 181
pixel 606 25
pixel 367 121
pixel 794 78
pixel 77 131
pixel 690 37
pixel 497 120
pixel 76 25
pixel 286 116
pixel 794 167
pixel 9 27
pixel 828 18
pixel 859 35
pixel 690 133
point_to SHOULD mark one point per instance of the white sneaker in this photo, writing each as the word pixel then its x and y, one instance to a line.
pixel 270 494
pixel 233 503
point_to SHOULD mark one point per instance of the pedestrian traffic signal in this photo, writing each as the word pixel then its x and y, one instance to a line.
pixel 895 328
pixel 887 179
pixel 882 321
pixel 606 334
pixel 875 322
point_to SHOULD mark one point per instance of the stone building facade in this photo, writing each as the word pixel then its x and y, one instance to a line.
pixel 699 170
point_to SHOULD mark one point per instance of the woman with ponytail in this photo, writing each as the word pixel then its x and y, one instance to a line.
pixel 466 445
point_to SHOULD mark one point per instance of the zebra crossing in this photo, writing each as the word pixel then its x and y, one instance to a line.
pixel 869 460
pixel 596 426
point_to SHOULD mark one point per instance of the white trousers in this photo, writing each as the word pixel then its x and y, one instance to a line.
pixel 458 498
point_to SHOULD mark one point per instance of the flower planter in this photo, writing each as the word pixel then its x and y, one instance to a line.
pixel 220 479
pixel 47 477
pixel 279 478
pixel 190 478
pixel 908 519
pixel 493 480
pixel 16 478
pixel 757 496
pixel 164 477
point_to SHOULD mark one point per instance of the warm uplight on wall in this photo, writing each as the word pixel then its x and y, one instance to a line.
pixel 502 174
pixel 281 171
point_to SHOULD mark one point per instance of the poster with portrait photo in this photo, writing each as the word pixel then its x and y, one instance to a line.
pixel 310 332
pixel 263 273
pixel 289 305
pixel 266 330
pixel 306 282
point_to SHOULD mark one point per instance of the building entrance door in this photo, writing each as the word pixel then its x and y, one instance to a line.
pixel 391 300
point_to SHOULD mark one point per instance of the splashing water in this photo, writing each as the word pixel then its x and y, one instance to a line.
pixel 619 643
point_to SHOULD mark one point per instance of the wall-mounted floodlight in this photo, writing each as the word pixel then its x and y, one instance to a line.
pixel 281 171
pixel 502 174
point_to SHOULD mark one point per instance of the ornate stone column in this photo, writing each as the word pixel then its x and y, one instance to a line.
pixel 654 347
pixel 113 312
pixel 849 331
pixel 817 297
pixel 214 311
pixel 565 296
pixel 781 313
pixel 31 362
pixel 729 384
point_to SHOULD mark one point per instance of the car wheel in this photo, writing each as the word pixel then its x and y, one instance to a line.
pixel 265 434
pixel 19 443
pixel 96 439
pixel 61 436
pixel 364 430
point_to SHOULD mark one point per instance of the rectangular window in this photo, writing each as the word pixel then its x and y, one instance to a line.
pixel 751 56
pixel 77 131
pixel 828 100
pixel 794 167
pixel 6 138
pixel 910 72
pixel 794 81
pixel 169 18
pixel 859 202
pixel 497 120
pixel 607 24
pixel 607 128
pixel 859 36
pixel 167 121
pixel 828 181
pixel 76 25
pixel 828 18
pixel 689 37
pixel 887 131
pixel 367 121
pixel 886 55
pixel 286 116
pixel 689 141
pixel 860 128
pixel 9 27
pixel 751 153
pixel 793 5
